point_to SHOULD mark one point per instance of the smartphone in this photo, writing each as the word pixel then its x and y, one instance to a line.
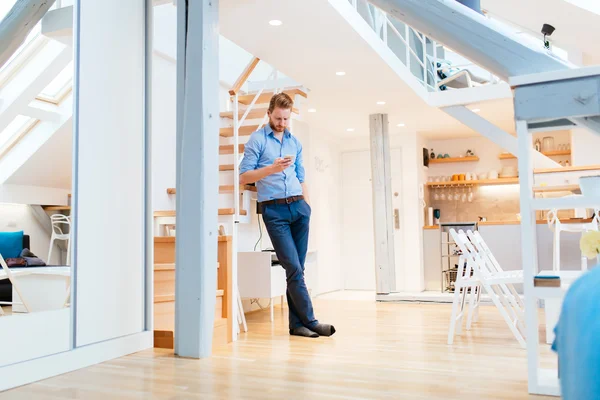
pixel 289 157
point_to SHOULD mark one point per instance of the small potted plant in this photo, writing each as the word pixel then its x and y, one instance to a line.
pixel 590 244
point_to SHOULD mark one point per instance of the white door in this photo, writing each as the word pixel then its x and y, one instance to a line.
pixel 358 256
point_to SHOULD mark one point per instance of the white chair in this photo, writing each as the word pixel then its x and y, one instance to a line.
pixel 463 284
pixel 60 224
pixel 489 276
pixel 557 227
pixel 6 273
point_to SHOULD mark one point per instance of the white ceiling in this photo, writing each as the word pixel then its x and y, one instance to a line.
pixel 313 43
pixel 575 27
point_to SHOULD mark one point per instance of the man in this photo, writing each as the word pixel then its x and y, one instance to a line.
pixel 273 159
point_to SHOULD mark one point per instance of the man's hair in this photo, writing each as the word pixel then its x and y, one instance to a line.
pixel 281 100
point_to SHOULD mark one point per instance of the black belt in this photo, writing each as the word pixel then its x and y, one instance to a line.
pixel 287 200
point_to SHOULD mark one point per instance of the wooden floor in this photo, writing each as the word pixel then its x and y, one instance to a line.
pixel 381 351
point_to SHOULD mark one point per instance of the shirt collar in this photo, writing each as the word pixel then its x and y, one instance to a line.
pixel 269 131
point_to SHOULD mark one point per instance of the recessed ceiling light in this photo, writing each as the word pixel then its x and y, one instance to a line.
pixel 476 110
pixel 340 73
pixel 311 110
pixel 275 22
pixel 381 103
pixel 401 125
pixel 350 129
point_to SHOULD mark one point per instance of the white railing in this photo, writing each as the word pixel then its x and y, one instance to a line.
pixel 416 51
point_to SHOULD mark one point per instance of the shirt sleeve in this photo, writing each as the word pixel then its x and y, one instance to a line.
pixel 299 163
pixel 251 155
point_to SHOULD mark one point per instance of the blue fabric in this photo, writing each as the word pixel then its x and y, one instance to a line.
pixel 11 244
pixel 577 340
pixel 287 225
pixel 261 150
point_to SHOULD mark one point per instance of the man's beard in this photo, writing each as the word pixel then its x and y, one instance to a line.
pixel 275 128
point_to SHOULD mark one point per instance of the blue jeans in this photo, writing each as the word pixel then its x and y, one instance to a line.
pixel 287 225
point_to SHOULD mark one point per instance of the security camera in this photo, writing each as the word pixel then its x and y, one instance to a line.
pixel 547 30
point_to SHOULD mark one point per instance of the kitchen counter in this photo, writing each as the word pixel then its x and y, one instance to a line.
pixel 504 240
pixel 516 222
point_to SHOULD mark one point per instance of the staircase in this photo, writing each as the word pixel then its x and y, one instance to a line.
pixel 250 111
pixel 246 113
pixel 164 293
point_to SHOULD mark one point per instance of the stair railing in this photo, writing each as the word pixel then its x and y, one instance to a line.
pixel 383 25
pixel 237 122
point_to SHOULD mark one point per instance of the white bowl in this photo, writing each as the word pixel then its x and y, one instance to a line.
pixel 590 185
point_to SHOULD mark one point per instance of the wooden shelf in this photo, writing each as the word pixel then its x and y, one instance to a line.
pixel 561 188
pixel 453 160
pixel 566 169
pixel 499 181
pixel 57 208
pixel 509 156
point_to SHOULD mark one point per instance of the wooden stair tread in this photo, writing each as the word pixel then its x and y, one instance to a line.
pixel 228 148
pixel 222 189
pixel 168 267
pixel 245 130
pixel 171 239
pixel 229 188
pixel 265 96
pixel 258 112
pixel 164 298
pixel 226 167
pixel 222 211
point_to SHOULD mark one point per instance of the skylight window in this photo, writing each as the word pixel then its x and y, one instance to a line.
pixel 15 131
pixel 59 86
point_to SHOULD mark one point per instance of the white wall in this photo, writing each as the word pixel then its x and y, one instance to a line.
pixel 485 149
pixel 110 194
pixel 163 132
pixel 411 218
pixel 585 145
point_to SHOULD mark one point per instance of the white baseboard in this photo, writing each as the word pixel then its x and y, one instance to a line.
pixel 27 372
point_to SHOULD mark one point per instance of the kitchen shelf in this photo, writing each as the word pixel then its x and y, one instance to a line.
pixel 509 156
pixel 499 181
pixel 561 188
pixel 453 160
pixel 566 169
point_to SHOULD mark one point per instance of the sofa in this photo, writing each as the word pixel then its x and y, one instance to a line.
pixel 5 285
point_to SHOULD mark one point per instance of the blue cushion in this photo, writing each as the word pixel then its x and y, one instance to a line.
pixel 11 244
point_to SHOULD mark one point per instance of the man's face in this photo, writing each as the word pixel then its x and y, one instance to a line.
pixel 279 119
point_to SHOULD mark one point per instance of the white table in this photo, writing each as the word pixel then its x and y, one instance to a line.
pixel 258 279
pixel 42 288
pixel 553 298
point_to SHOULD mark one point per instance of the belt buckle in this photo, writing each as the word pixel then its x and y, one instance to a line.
pixel 288 200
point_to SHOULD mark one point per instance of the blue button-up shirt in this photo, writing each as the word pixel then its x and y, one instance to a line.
pixel 261 151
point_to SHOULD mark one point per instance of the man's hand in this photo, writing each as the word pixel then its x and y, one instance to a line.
pixel 256 175
pixel 281 164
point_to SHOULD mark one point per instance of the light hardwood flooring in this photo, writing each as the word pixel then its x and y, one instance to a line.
pixel 381 351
